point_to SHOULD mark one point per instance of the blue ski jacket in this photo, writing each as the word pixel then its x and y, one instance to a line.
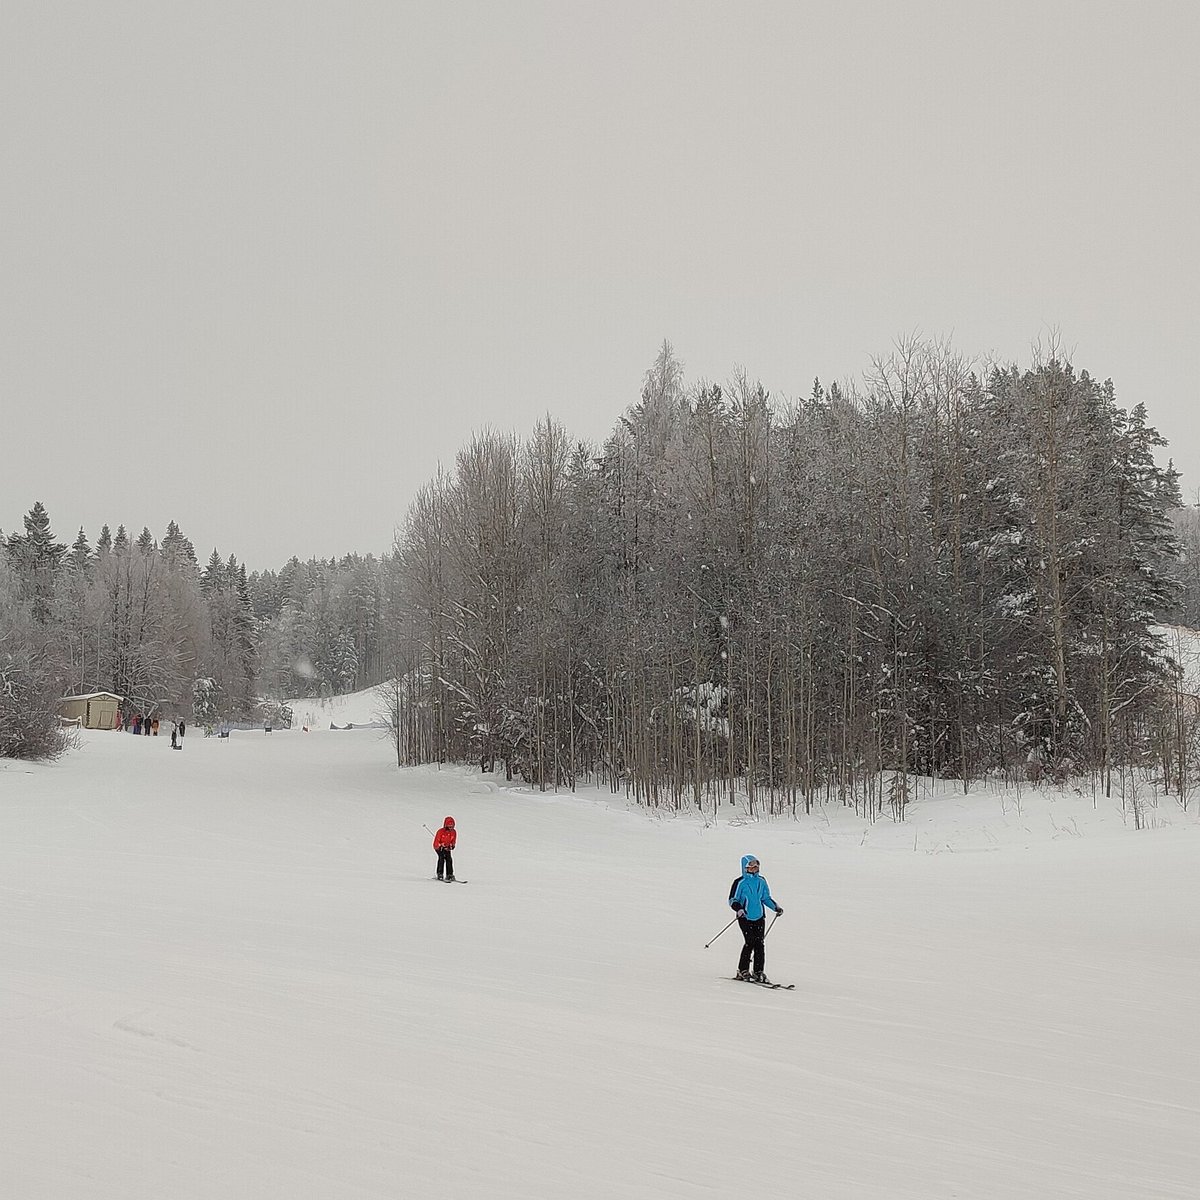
pixel 751 893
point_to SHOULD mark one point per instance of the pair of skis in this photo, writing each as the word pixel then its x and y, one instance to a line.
pixel 775 987
pixel 435 879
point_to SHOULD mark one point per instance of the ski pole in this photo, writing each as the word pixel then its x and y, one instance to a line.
pixel 707 944
pixel 773 920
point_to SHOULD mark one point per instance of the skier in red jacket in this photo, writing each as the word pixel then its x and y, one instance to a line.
pixel 444 842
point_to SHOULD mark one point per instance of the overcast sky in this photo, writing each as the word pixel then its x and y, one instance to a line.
pixel 263 266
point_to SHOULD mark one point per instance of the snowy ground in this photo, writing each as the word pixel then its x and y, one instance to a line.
pixel 367 707
pixel 227 973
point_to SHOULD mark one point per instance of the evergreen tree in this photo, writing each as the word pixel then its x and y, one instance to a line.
pixel 228 655
pixel 81 553
pixel 37 557
pixel 212 579
pixel 30 679
pixel 176 547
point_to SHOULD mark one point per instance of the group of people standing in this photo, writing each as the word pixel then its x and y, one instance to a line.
pixel 148 726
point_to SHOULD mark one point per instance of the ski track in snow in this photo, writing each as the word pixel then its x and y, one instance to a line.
pixel 225 976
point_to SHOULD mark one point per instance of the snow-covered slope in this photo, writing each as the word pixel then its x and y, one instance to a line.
pixel 1183 645
pixel 367 707
pixel 227 973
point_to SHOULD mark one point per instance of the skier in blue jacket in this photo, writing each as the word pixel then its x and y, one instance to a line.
pixel 750 897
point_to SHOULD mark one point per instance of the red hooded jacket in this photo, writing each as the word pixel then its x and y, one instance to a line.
pixel 446 838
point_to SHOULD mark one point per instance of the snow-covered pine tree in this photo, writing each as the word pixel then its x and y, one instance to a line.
pixel 176 547
pixel 37 556
pixel 227 656
pixel 80 558
pixel 30 680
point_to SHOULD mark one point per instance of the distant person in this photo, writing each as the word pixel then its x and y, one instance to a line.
pixel 154 727
pixel 182 731
pixel 174 735
pixel 444 842
pixel 749 897
pixel 137 725
pixel 146 726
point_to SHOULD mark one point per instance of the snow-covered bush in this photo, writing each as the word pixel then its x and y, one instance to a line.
pixel 205 701
pixel 272 712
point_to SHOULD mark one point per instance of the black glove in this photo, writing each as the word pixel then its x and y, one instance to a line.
pixel 740 914
pixel 779 910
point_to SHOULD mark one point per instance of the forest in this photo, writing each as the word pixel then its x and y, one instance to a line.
pixel 944 569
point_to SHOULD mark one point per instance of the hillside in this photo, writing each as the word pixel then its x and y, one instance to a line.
pixel 230 974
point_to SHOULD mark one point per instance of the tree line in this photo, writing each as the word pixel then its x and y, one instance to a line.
pixel 141 618
pixel 941 569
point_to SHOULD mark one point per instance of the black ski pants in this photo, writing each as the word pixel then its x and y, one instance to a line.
pixel 753 932
pixel 445 864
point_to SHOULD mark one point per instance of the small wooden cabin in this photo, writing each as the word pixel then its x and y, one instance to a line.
pixel 96 710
